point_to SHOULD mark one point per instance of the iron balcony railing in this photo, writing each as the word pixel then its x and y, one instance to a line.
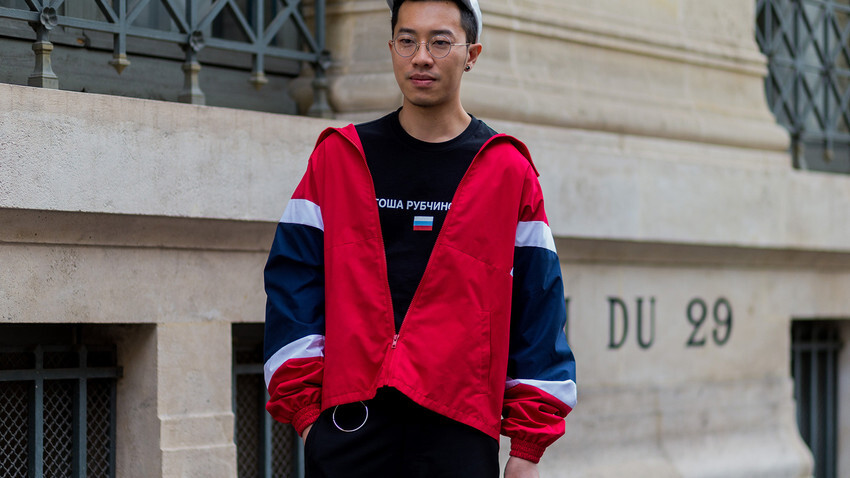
pixel 190 24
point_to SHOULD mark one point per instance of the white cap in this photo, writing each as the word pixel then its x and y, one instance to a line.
pixel 472 5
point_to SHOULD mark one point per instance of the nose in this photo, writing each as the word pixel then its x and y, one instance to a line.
pixel 422 55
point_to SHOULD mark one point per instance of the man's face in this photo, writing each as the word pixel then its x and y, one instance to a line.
pixel 424 80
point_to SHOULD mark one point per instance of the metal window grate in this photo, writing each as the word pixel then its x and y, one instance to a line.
pixel 285 446
pixel 58 427
pixel 808 81
pixel 265 448
pixel 57 411
pixel 100 432
pixel 247 425
pixel 251 31
pixel 13 446
pixel 814 365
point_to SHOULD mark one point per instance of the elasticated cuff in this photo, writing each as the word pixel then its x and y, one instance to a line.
pixel 526 450
pixel 306 417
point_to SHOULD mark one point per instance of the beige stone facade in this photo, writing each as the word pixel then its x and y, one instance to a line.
pixel 688 242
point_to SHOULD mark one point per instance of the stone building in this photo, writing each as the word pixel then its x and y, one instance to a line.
pixel 707 261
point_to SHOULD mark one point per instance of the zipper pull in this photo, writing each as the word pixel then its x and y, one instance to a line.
pixel 395 340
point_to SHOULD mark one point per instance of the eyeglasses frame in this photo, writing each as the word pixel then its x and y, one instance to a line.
pixel 427 48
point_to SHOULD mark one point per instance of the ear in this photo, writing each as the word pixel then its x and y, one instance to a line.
pixel 474 52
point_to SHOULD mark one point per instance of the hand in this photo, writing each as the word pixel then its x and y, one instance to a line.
pixel 305 432
pixel 519 468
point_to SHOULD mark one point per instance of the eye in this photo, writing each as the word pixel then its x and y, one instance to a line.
pixel 405 41
pixel 440 42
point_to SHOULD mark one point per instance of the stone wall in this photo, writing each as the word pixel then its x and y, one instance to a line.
pixel 671 192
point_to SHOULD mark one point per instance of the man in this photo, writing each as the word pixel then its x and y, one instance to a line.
pixel 414 293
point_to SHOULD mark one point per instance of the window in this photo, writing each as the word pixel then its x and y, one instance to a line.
pixel 808 81
pixel 57 403
pixel 815 346
pixel 265 448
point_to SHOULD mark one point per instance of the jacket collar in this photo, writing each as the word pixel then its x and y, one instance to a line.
pixel 350 133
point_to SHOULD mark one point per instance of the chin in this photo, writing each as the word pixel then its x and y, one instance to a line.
pixel 424 102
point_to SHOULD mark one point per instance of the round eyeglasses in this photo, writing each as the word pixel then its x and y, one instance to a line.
pixel 438 46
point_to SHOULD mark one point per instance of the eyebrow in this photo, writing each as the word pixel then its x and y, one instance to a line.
pixel 432 32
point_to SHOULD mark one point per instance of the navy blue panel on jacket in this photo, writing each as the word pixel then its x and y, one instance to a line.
pixel 538 346
pixel 295 285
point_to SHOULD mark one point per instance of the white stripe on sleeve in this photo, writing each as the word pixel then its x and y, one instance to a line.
pixel 564 391
pixel 305 347
pixel 302 211
pixel 534 234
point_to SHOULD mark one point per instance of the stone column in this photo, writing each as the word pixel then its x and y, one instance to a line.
pixel 174 409
pixel 194 393
pixel 138 454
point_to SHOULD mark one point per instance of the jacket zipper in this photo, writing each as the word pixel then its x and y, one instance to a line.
pixel 416 294
pixel 449 214
pixel 383 249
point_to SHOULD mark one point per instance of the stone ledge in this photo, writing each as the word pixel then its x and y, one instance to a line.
pixel 45 283
pixel 656 39
pixel 62 150
pixel 27 226
pixel 623 252
pixel 72 229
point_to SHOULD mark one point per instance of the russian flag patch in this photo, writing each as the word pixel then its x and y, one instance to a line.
pixel 423 223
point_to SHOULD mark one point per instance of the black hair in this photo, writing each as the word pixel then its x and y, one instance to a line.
pixel 467 18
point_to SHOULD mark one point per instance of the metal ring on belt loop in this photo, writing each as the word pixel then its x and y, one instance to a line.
pixel 333 417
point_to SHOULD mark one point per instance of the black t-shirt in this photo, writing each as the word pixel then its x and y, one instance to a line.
pixel 415 182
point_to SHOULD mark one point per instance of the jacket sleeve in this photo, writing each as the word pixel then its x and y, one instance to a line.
pixel 540 389
pixel 295 309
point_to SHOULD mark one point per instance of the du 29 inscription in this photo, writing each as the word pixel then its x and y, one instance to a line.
pixel 640 321
pixel 618 309
pixel 722 315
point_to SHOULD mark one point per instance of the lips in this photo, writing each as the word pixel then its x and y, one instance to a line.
pixel 422 80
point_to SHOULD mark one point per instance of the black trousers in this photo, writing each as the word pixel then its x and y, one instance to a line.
pixel 399 439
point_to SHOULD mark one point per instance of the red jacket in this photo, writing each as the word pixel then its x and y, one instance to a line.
pixel 484 333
